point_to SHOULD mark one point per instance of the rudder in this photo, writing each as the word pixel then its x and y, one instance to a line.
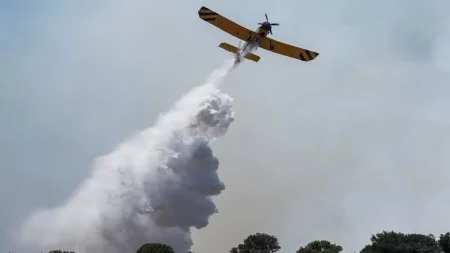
pixel 233 49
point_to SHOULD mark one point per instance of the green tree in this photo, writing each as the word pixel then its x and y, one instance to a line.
pixel 393 242
pixel 234 250
pixel 155 248
pixel 320 246
pixel 258 243
pixel 444 242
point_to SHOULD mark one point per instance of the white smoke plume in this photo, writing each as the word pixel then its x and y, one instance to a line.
pixel 153 187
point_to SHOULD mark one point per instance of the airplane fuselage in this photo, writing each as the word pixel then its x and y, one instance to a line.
pixel 253 43
pixel 262 32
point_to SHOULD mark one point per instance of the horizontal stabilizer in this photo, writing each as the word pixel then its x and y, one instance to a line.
pixel 234 50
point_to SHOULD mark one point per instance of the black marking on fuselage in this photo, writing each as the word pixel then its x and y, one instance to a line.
pixel 249 37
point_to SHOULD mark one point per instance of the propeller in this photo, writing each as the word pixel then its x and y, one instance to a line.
pixel 270 24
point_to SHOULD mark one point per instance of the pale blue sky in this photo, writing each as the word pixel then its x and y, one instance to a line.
pixel 347 145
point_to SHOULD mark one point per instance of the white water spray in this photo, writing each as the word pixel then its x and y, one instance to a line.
pixel 153 188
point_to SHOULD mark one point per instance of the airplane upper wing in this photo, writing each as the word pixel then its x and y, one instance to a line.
pixel 225 24
pixel 288 50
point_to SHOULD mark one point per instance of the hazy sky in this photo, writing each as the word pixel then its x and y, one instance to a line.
pixel 355 142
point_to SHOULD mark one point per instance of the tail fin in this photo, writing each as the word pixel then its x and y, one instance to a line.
pixel 235 50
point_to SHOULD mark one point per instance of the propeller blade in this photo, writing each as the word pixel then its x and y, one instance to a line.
pixel 267 18
pixel 259 23
pixel 274 24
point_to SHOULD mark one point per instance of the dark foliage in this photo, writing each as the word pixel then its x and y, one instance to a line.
pixel 393 242
pixel 258 243
pixel 155 248
pixel 320 246
pixel 444 242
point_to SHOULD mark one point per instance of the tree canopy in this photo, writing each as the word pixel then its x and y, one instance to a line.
pixel 258 243
pixel 155 248
pixel 393 242
pixel 384 242
pixel 444 242
pixel 320 246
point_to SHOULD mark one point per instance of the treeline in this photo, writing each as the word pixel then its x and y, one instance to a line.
pixel 384 242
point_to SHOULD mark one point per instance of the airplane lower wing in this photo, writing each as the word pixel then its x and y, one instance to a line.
pixel 226 25
pixel 234 50
pixel 288 50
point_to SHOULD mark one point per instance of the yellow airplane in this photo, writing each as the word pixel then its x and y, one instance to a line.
pixel 254 39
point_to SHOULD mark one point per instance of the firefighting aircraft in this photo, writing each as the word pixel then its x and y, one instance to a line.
pixel 254 39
